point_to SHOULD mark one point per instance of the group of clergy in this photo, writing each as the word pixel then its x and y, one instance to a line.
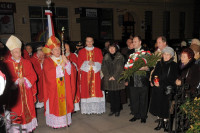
pixel 59 82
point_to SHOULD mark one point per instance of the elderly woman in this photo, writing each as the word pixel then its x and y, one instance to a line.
pixel 189 72
pixel 163 77
pixel 112 67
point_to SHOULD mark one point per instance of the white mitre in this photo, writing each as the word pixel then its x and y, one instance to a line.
pixel 13 42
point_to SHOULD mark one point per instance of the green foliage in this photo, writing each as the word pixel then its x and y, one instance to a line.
pixel 151 62
pixel 191 108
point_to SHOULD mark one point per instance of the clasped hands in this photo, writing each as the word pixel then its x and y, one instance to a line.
pixel 91 63
pixel 178 82
pixel 21 81
pixel 111 78
pixel 145 68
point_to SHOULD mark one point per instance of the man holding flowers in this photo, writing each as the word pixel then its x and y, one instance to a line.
pixel 139 86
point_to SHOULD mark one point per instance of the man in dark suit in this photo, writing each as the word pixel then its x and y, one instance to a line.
pixel 128 50
pixel 139 87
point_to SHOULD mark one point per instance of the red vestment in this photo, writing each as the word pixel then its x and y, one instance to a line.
pixel 92 98
pixel 58 99
pixel 24 106
pixel 73 58
pixel 74 81
pixel 26 55
pixel 37 65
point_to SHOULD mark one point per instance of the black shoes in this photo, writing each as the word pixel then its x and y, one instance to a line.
pixel 133 119
pixel 166 126
pixel 143 120
pixel 160 125
pixel 117 114
pixel 111 113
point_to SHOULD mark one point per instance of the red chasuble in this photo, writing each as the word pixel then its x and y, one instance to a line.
pixel 24 106
pixel 38 69
pixel 92 98
pixel 58 99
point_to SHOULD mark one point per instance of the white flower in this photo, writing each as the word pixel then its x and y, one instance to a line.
pixel 130 65
pixel 143 52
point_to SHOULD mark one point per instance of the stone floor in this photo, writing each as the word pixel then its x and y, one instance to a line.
pixel 100 123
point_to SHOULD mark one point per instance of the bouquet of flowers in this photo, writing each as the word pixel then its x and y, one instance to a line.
pixel 138 60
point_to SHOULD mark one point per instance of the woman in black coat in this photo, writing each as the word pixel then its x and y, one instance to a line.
pixel 112 67
pixel 166 71
pixel 190 73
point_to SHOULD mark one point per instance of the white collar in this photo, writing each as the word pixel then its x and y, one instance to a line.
pixel 89 48
pixel 138 49
pixel 16 60
pixel 56 58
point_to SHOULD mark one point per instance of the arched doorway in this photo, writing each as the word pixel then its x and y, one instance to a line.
pixel 128 26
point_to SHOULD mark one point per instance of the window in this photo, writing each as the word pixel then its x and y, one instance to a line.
pixel 61 12
pixel 38 22
pixel 7 10
pixel 128 26
pixel 96 22
pixel 148 25
pixel 166 24
pixel 35 12
pixel 106 24
pixel 182 25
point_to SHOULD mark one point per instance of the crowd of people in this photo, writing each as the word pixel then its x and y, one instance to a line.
pixel 66 82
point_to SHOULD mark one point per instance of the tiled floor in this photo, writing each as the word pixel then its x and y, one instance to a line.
pixel 100 123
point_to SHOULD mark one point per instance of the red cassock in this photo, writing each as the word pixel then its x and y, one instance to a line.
pixel 74 81
pixel 24 106
pixel 26 55
pixel 73 58
pixel 58 98
pixel 39 70
pixel 92 98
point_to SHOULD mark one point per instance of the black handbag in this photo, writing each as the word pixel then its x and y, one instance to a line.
pixel 169 89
